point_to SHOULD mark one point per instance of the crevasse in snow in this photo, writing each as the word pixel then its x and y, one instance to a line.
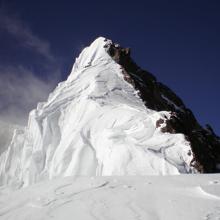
pixel 93 124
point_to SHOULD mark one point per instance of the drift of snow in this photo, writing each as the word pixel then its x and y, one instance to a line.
pixel 93 124
pixel 182 197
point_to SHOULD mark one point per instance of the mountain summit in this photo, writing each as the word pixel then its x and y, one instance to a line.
pixel 109 117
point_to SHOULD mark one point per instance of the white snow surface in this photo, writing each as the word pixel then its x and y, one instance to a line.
pixel 93 124
pixel 182 197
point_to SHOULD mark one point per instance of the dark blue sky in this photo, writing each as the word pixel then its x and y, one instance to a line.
pixel 178 41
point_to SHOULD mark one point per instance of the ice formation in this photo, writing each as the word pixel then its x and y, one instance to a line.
pixel 93 124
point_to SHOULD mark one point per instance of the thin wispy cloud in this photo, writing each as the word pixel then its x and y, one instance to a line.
pixel 20 91
pixel 14 26
pixel 21 86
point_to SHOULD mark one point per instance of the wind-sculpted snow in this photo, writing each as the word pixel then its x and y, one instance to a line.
pixel 6 134
pixel 93 124
pixel 193 197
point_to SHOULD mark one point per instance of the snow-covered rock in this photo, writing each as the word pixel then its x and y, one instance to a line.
pixel 94 124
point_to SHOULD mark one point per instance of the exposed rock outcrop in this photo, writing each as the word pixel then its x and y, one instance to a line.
pixel 204 142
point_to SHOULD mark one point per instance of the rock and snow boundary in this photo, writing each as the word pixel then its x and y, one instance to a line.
pixel 102 123
pixel 93 124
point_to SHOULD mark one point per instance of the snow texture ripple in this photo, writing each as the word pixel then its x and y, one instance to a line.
pixel 183 197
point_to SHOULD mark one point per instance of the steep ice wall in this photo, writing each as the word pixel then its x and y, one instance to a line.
pixel 94 123
pixel 6 134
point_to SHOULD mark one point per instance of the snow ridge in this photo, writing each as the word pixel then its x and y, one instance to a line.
pixel 93 124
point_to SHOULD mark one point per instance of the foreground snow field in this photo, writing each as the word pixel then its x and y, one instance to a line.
pixel 186 197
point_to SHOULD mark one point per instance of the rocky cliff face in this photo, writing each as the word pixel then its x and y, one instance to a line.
pixel 204 142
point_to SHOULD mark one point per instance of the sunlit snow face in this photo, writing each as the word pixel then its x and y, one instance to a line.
pixel 94 123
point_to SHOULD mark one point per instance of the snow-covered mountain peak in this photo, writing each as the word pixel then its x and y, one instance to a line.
pixel 109 117
pixel 91 55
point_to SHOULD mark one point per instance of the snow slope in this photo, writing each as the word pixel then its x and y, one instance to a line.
pixel 193 197
pixel 93 124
